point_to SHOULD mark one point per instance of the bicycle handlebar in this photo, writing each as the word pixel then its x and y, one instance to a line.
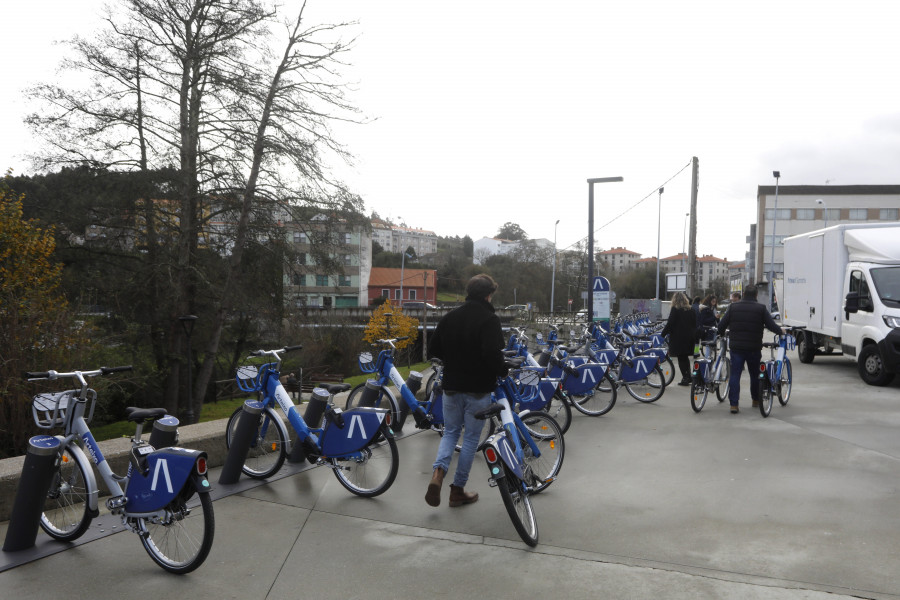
pixel 53 375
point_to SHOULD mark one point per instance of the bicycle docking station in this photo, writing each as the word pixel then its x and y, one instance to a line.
pixel 414 383
pixel 240 442
pixel 37 474
pixel 312 416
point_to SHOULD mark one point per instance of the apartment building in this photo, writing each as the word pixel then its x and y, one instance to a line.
pixel 618 259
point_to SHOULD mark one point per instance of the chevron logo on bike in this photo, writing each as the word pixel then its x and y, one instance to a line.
pixel 588 373
pixel 354 420
pixel 161 465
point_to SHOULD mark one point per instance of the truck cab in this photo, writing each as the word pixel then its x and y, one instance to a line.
pixel 871 318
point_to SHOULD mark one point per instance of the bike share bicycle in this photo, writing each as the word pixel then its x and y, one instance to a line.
pixel 163 497
pixel 712 371
pixel 357 444
pixel 775 375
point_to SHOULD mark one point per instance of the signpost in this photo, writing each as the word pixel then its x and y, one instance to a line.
pixel 600 301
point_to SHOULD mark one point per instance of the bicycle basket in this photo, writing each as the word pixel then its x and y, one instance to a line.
pixel 51 409
pixel 366 364
pixel 527 385
pixel 249 378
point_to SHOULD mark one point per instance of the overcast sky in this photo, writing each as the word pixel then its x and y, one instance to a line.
pixel 489 112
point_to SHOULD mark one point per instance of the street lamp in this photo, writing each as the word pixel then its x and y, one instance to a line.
pixel 553 280
pixel 590 280
pixel 187 323
pixel 658 233
pixel 776 175
pixel 824 209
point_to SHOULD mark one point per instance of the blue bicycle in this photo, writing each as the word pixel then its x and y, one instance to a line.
pixel 357 444
pixel 775 375
pixel 165 499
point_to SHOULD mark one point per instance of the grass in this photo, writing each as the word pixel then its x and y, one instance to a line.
pixel 223 408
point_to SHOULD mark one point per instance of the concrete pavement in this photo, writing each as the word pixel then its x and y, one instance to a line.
pixel 652 501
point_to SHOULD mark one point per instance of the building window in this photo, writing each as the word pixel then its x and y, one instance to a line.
pixel 346 258
pixel 344 281
pixel 888 214
pixel 301 258
pixel 348 238
pixel 321 280
pixel 299 279
pixel 779 240
pixel 806 214
pixel 296 237
pixel 385 293
pixel 779 268
pixel 858 214
pixel 300 237
pixel 412 294
pixel 833 215
pixel 782 213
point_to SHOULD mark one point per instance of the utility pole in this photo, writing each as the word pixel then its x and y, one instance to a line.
pixel 425 318
pixel 692 240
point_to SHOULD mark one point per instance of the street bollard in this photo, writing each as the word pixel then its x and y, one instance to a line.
pixel 312 416
pixel 165 432
pixel 244 433
pixel 37 473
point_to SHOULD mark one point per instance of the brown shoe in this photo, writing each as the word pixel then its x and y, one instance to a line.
pixel 756 404
pixel 459 496
pixel 735 410
pixel 433 495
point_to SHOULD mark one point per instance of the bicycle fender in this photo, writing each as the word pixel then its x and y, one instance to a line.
pixel 361 425
pixel 91 483
pixel 507 454
pixel 168 471
pixel 640 368
pixel 589 376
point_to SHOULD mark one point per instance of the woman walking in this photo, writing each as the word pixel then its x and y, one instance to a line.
pixel 682 331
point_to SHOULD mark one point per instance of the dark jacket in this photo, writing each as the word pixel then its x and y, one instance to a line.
pixel 707 319
pixel 469 341
pixel 682 331
pixel 745 321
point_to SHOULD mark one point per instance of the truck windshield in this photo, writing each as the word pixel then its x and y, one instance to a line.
pixel 887 284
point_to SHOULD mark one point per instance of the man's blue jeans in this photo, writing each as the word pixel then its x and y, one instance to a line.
pixel 459 414
pixel 752 358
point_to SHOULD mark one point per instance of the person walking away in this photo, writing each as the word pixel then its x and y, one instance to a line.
pixel 293 386
pixel 708 321
pixel 681 327
pixel 745 321
pixel 470 343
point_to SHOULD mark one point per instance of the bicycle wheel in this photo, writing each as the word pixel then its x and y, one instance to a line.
pixel 518 506
pixel 649 389
pixel 784 390
pixel 179 540
pixel 372 470
pixel 599 400
pixel 668 369
pixel 765 396
pixel 66 516
pixel 548 437
pixel 699 392
pixel 559 409
pixel 723 381
pixel 268 448
pixel 430 383
pixel 384 400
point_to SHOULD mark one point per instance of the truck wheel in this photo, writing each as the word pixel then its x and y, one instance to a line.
pixel 871 367
pixel 806 349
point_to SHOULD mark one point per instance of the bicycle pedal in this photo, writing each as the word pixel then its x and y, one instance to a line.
pixel 492 482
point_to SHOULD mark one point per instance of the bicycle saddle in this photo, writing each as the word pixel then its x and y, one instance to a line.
pixel 139 415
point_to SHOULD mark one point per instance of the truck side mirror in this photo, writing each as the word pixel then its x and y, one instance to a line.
pixel 851 303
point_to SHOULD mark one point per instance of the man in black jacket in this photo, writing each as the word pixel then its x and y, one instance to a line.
pixel 470 343
pixel 745 321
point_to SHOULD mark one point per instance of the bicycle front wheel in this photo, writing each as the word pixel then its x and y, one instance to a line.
pixel 765 395
pixel 518 506
pixel 699 392
pixel 548 438
pixel 784 390
pixel 560 410
pixel 668 369
pixel 649 389
pixel 268 448
pixel 372 470
pixel 66 516
pixel 180 538
pixel 723 379
pixel 384 400
pixel 599 400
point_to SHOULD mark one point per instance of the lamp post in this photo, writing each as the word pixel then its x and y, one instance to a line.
pixel 658 234
pixel 187 323
pixel 776 175
pixel 553 277
pixel 590 280
pixel 824 209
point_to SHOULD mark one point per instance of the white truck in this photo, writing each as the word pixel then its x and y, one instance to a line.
pixel 842 284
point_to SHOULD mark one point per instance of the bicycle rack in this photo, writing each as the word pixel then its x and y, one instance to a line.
pixel 34 483
pixel 244 432
pixel 312 416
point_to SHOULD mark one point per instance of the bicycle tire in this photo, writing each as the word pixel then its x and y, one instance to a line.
pixel 699 392
pixel 385 400
pixel 548 437
pixel 429 384
pixel 650 389
pixel 180 541
pixel 598 401
pixel 668 369
pixel 268 449
pixel 765 395
pixel 785 383
pixel 373 471
pixel 560 411
pixel 518 506
pixel 724 382
pixel 66 515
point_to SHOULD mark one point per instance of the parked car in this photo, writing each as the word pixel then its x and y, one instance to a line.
pixel 517 307
pixel 419 305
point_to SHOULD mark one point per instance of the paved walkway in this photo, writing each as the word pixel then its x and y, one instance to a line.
pixel 653 501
